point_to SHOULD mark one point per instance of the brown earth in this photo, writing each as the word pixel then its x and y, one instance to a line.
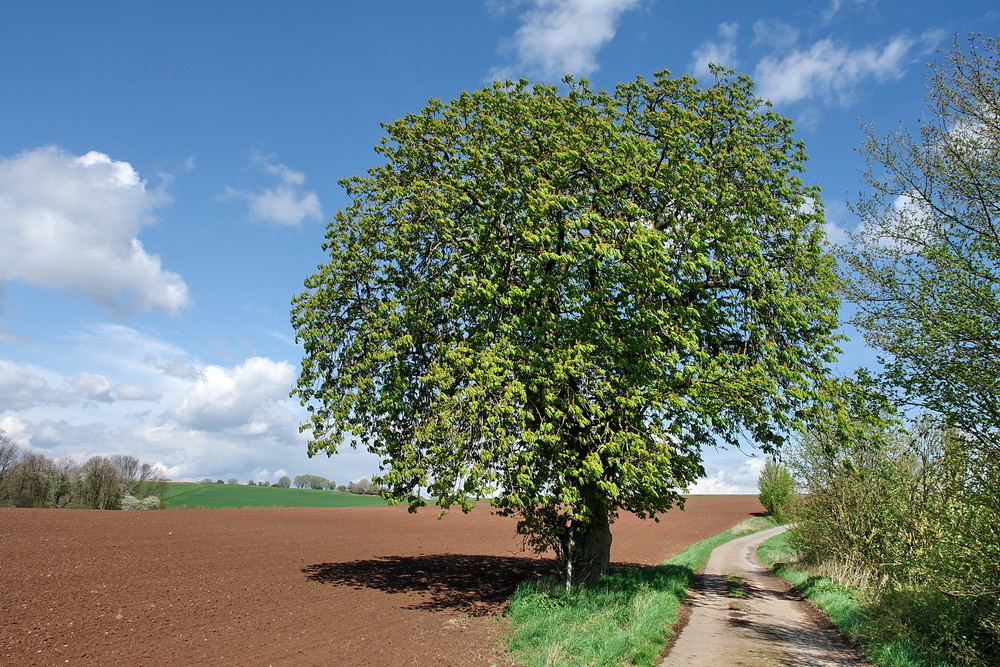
pixel 349 586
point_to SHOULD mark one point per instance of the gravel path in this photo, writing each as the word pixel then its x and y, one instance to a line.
pixel 743 615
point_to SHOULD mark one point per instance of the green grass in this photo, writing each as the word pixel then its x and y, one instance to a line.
pixel 182 495
pixel 624 619
pixel 845 608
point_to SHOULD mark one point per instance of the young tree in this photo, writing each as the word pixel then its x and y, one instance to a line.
pixel 140 479
pixel 10 453
pixel 284 482
pixel 130 469
pixel 562 294
pixel 64 471
pixel 100 484
pixel 925 265
pixel 152 481
pixel 776 486
pixel 31 481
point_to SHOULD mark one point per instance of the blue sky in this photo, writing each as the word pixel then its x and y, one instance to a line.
pixel 166 170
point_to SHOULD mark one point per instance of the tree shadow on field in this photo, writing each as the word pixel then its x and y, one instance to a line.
pixel 474 585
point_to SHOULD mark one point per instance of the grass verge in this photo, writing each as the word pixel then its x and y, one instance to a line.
pixel 845 608
pixel 624 619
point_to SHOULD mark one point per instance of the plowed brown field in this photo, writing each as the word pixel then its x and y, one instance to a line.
pixel 365 586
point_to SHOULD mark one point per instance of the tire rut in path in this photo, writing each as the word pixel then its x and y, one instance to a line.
pixel 741 614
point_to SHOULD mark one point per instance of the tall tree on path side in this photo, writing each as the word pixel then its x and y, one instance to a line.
pixel 924 267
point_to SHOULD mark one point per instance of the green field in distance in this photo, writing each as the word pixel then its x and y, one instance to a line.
pixel 182 495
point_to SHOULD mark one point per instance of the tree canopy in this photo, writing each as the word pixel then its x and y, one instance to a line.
pixel 556 296
pixel 925 264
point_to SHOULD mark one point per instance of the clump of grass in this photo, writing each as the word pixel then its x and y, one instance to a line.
pixel 624 619
pixel 736 587
pixel 846 606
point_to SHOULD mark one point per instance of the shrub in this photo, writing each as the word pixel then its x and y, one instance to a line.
pixel 150 503
pixel 776 486
pixel 364 487
pixel 130 503
pixel 916 515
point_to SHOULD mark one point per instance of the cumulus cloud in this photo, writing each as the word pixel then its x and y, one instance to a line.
pixel 21 388
pixel 731 478
pixel 286 203
pixel 832 71
pixel 15 429
pixel 198 420
pixel 93 387
pixel 560 37
pixel 224 398
pixel 70 223
pixel 721 52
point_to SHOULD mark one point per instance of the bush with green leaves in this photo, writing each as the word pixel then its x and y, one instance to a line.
pixel 150 503
pixel 777 488
pixel 916 515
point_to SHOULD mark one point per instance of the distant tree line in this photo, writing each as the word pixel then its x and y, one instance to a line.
pixel 314 482
pixel 30 479
pixel 362 486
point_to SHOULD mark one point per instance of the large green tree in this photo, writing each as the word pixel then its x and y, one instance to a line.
pixel 557 296
pixel 924 268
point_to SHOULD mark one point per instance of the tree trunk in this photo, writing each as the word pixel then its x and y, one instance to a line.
pixel 587 545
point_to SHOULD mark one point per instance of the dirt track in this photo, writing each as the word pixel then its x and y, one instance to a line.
pixel 366 586
pixel 741 614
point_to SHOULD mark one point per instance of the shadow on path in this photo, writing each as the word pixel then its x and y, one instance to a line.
pixel 474 585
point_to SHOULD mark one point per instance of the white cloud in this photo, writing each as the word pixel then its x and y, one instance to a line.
pixel 15 429
pixel 23 387
pixel 70 223
pixel 722 52
pixel 241 397
pixel 19 387
pixel 560 37
pixel 286 203
pixel 199 420
pixel 732 478
pixel 774 34
pixel 837 5
pixel 92 387
pixel 833 72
